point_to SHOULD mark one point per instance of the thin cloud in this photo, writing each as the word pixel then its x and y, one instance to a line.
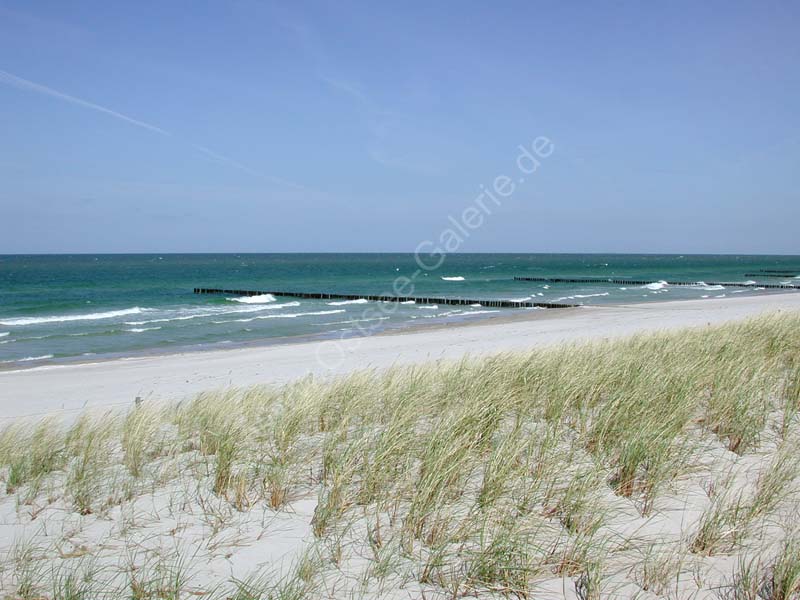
pixel 236 164
pixel 24 84
pixel 30 86
pixel 383 126
pixel 349 89
pixel 224 159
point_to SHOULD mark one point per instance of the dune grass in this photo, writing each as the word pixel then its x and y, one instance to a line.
pixel 484 476
pixel 762 578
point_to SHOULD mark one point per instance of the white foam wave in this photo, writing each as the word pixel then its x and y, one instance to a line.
pixel 142 329
pixel 284 316
pixel 283 305
pixel 430 306
pixel 350 321
pixel 460 313
pixel 409 302
pixel 443 314
pixel 29 359
pixel 657 285
pixel 343 302
pixel 458 278
pixel 582 296
pixel 214 312
pixel 260 299
pixel 64 318
pixel 4 334
pixel 184 318
pixel 702 285
pixel 476 305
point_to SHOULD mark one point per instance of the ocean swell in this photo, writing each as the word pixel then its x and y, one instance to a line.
pixel 284 316
pixel 28 359
pixel 260 299
pixel 702 285
pixel 22 321
pixel 213 312
pixel 343 302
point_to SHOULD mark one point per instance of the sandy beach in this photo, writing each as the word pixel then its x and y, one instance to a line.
pixel 69 388
pixel 660 465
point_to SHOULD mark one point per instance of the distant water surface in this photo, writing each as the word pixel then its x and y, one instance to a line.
pixel 55 308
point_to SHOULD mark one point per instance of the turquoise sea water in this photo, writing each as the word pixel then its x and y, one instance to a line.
pixel 83 307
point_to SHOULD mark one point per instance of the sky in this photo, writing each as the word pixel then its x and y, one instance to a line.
pixel 250 126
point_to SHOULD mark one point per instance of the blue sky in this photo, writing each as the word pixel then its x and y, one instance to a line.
pixel 342 126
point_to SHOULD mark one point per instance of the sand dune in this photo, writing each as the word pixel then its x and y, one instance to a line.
pixel 654 466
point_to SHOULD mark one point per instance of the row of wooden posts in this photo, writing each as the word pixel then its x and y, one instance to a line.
pixel 382 298
pixel 493 303
pixel 599 281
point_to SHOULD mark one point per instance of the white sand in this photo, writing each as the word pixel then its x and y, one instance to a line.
pixel 175 520
pixel 69 388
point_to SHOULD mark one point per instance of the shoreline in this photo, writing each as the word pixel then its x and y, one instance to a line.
pixel 66 388
pixel 268 342
pixel 467 320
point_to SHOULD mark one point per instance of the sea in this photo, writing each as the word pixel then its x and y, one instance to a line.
pixel 63 308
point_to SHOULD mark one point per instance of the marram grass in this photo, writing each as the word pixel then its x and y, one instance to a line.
pixel 489 476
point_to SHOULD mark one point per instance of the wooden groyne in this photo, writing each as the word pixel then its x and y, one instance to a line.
pixel 381 298
pixel 779 286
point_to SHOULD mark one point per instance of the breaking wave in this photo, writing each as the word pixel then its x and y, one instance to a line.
pixel 260 299
pixel 284 316
pixel 576 296
pixel 343 302
pixel 64 318
pixel 213 312
pixel 28 359
pixel 702 285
